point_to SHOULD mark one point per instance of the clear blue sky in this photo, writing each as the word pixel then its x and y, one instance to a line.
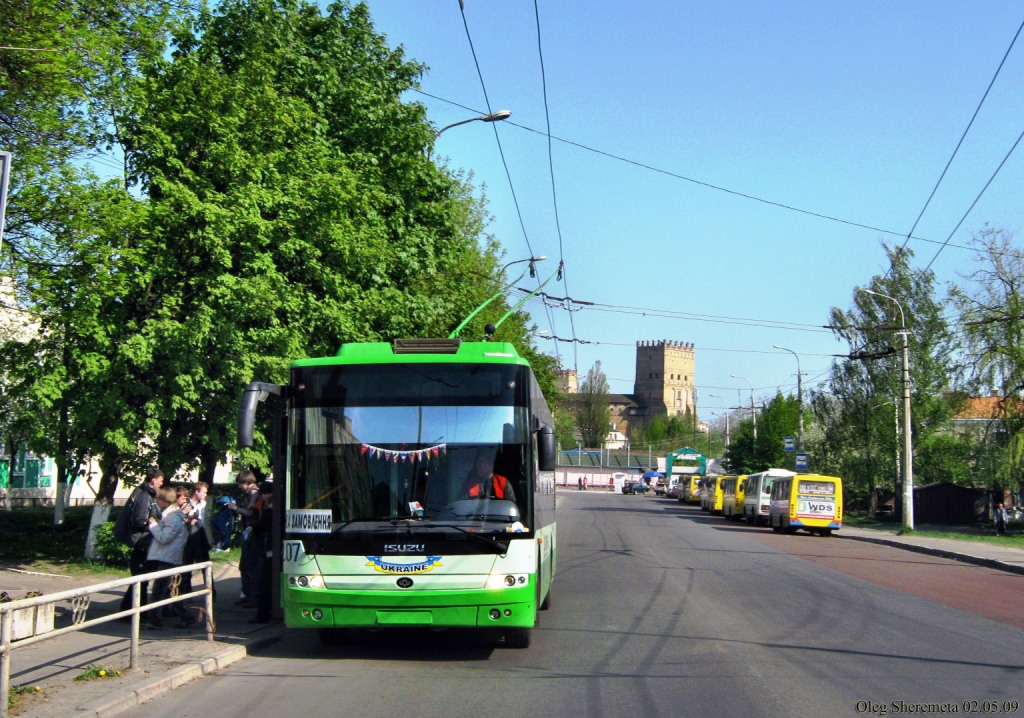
pixel 849 110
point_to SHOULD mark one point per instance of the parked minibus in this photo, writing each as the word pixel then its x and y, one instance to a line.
pixel 733 492
pixel 712 498
pixel 689 489
pixel 810 502
pixel 757 498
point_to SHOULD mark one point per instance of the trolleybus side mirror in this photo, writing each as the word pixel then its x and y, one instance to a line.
pixel 254 393
pixel 546 447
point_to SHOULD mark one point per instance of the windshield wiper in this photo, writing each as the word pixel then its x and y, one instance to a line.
pixel 490 539
pixel 392 520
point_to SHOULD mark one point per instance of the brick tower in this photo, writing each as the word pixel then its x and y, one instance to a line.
pixel 664 382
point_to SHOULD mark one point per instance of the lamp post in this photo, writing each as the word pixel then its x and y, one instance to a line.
pixel 753 415
pixel 908 458
pixel 799 400
pixel 492 117
pixel 531 260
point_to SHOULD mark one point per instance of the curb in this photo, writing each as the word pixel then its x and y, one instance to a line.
pixel 941 553
pixel 197 668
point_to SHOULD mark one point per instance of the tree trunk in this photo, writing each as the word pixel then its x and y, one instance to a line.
pixel 208 459
pixel 109 478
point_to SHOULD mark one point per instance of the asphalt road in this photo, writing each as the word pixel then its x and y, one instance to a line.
pixel 660 610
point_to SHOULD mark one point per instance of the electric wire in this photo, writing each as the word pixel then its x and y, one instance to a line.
pixel 975 202
pixel 958 144
pixel 501 151
pixel 551 172
pixel 701 183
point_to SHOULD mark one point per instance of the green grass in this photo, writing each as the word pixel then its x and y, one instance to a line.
pixel 16 692
pixel 31 540
pixel 983 533
pixel 30 536
pixel 94 671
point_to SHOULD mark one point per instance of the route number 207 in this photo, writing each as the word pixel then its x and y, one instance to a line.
pixel 292 550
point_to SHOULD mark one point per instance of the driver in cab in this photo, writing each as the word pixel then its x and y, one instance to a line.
pixel 483 483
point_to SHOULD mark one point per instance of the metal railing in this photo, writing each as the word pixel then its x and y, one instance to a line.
pixel 80 601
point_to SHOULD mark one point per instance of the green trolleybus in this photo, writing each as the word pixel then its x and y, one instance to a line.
pixel 377 531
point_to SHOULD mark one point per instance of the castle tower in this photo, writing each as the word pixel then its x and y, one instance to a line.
pixel 566 381
pixel 664 382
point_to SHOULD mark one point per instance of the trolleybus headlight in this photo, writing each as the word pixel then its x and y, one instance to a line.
pixel 495 614
pixel 315 581
pixel 317 614
pixel 506 581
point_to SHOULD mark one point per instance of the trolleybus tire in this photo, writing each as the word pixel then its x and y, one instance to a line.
pixel 334 636
pixel 517 637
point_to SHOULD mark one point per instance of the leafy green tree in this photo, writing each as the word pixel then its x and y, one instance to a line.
pixel 777 420
pixel 294 210
pixel 992 312
pixel 64 246
pixel 593 415
pixel 873 375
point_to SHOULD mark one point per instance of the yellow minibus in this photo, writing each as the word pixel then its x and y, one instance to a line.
pixel 733 489
pixel 810 502
pixel 711 501
pixel 693 496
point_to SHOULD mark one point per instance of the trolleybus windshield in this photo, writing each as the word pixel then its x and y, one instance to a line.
pixel 396 447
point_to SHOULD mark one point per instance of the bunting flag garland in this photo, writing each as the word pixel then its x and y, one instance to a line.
pixel 375 452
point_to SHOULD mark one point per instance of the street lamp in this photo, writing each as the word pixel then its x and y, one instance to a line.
pixel 799 400
pixel 531 260
pixel 753 415
pixel 492 117
pixel 908 458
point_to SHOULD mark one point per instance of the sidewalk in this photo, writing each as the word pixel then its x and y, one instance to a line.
pixel 980 553
pixel 167 658
pixel 172 657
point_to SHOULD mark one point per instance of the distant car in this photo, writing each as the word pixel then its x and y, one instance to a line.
pixel 673 491
pixel 640 487
pixel 629 487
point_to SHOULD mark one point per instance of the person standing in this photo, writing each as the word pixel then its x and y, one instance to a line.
pixel 170 533
pixel 143 507
pixel 263 534
pixel 1000 519
pixel 249 562
pixel 197 548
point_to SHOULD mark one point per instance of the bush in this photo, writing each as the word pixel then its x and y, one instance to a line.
pixel 111 550
pixel 29 534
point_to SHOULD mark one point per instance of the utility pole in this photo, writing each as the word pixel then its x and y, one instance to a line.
pixel 908 449
pixel 799 400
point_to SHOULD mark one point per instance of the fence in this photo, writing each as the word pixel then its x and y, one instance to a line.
pixel 37 609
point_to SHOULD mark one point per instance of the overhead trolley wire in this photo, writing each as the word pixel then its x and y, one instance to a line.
pixel 551 173
pixel 701 183
pixel 497 139
pixel 957 149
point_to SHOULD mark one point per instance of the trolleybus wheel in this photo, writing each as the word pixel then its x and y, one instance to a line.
pixel 517 637
pixel 333 636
